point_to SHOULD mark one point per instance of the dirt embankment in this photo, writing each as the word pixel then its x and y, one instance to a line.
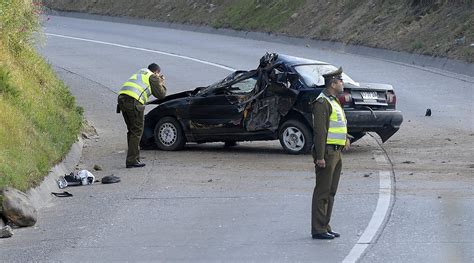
pixel 431 27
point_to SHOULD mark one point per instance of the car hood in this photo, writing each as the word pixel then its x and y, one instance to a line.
pixel 174 96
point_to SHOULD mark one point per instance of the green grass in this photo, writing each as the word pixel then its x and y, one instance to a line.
pixel 39 120
pixel 264 15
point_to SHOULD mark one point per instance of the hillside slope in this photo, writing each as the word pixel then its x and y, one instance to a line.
pixel 39 120
pixel 431 27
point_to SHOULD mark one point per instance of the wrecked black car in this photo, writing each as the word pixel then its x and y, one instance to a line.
pixel 269 103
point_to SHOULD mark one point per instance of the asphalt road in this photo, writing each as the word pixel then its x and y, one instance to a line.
pixel 252 202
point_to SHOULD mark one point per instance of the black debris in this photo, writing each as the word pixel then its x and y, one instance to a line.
pixel 428 112
pixel 110 179
pixel 63 194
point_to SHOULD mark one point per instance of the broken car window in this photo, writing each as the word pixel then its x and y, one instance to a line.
pixel 312 74
pixel 244 86
pixel 226 81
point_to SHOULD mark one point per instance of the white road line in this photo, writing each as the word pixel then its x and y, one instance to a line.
pixel 143 49
pixel 383 204
pixel 385 183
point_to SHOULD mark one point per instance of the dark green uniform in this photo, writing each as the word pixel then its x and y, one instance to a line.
pixel 327 179
pixel 133 112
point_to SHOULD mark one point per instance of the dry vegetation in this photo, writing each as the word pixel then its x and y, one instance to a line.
pixel 431 27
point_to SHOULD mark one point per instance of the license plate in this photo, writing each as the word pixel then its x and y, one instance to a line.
pixel 370 95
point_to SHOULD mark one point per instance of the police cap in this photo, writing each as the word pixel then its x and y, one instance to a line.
pixel 333 75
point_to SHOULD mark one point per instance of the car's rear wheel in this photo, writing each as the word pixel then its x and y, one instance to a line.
pixel 295 137
pixel 169 135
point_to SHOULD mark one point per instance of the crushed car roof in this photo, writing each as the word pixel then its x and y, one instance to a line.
pixel 297 61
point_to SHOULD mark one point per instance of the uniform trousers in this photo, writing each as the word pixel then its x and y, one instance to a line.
pixel 327 180
pixel 132 112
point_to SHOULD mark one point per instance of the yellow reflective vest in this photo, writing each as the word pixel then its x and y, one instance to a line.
pixel 138 86
pixel 337 132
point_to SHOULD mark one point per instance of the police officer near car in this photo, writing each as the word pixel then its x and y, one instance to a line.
pixel 330 138
pixel 132 98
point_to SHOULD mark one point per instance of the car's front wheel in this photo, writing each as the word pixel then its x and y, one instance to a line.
pixel 295 137
pixel 169 135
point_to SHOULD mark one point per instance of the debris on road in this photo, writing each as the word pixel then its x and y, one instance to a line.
pixel 63 194
pixel 62 183
pixel 110 179
pixel 408 162
pixel 72 180
pixel 86 177
pixel 97 167
pixel 6 232
pixel 428 112
pixel 83 177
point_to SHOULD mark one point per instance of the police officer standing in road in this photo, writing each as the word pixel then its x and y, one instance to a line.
pixel 330 137
pixel 131 102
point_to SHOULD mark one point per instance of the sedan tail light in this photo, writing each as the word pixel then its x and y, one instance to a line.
pixel 391 98
pixel 345 98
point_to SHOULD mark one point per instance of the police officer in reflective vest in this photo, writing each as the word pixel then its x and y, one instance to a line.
pixel 131 102
pixel 330 137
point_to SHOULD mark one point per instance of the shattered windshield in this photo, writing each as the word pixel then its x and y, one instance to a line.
pixel 312 75
pixel 226 81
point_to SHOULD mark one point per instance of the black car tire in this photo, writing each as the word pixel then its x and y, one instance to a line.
pixel 295 137
pixel 169 135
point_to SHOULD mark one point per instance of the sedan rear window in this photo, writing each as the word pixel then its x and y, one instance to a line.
pixel 312 75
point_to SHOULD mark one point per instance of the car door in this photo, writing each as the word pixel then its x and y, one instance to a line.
pixel 277 98
pixel 221 111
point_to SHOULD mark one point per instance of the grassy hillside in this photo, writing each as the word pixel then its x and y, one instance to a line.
pixel 39 120
pixel 431 27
